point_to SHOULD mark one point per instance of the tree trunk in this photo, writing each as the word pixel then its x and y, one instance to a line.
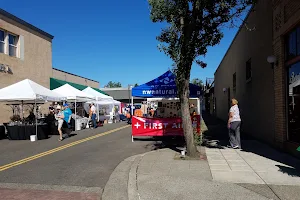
pixel 186 119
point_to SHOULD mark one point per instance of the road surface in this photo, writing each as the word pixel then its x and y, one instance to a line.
pixel 80 165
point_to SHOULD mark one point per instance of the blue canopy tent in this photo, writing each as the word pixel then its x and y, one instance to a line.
pixel 163 86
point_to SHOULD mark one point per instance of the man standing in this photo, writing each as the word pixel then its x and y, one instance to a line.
pixel 93 113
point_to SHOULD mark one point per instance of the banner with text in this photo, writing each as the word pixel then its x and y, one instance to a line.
pixel 161 126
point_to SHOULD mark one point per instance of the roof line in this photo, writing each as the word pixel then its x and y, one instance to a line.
pixel 237 33
pixel 74 74
pixel 24 23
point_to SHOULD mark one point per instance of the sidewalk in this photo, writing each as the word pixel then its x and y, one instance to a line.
pixel 256 172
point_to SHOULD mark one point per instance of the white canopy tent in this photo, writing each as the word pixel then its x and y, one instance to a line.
pixel 73 95
pixel 29 92
pixel 102 99
pixel 109 103
pixel 99 96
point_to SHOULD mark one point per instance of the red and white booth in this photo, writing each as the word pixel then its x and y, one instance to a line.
pixel 167 119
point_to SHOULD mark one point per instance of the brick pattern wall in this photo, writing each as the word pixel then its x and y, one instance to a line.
pixel 280 93
pixel 285 17
pixel 290 9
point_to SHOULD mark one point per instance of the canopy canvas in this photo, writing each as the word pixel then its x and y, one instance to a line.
pixel 28 91
pixel 163 86
pixel 99 96
pixel 73 94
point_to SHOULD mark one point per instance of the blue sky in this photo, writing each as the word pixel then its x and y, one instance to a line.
pixel 107 42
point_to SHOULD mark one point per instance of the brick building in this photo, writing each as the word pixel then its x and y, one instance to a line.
pixel 268 93
pixel 286 48
pixel 26 52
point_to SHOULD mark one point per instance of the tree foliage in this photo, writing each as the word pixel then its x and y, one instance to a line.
pixel 111 84
pixel 192 27
pixel 135 85
pixel 197 81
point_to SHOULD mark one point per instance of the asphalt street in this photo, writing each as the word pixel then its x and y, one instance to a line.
pixel 84 165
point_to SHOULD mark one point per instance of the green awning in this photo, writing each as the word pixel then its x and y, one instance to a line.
pixel 55 83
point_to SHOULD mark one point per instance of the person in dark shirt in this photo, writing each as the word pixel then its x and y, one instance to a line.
pixel 31 117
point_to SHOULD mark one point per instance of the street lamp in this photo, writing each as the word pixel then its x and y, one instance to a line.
pixel 131 104
pixel 272 60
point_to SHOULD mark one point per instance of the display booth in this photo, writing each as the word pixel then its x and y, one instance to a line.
pixel 107 107
pixel 165 119
pixel 77 97
pixel 106 110
pixel 27 92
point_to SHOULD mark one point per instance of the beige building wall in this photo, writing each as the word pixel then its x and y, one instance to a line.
pixel 255 96
pixel 65 76
pixel 35 64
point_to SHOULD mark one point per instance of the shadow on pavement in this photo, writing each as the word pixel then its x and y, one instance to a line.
pixel 174 143
pixel 266 151
pixel 217 137
pixel 288 170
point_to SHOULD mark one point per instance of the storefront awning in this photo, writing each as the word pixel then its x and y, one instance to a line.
pixel 56 83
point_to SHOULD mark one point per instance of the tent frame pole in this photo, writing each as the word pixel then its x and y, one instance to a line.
pixel 75 115
pixel 35 113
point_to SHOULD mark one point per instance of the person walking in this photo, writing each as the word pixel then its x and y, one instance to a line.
pixel 93 115
pixel 234 124
pixel 60 120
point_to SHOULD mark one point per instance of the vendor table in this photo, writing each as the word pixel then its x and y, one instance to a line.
pixel 23 132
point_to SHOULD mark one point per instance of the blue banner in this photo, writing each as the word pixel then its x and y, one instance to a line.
pixel 163 86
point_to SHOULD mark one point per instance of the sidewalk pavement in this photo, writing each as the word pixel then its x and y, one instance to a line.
pixel 228 174
pixel 242 166
pixel 255 172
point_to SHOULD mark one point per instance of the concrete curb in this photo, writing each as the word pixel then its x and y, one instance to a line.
pixel 133 193
pixel 117 186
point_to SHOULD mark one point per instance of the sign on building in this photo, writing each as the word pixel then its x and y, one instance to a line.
pixel 5 69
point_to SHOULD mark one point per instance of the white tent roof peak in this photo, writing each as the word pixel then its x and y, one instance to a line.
pixel 96 94
pixel 72 93
pixel 27 90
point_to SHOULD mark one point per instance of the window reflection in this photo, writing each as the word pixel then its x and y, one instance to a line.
pixel 294 102
pixel 293 44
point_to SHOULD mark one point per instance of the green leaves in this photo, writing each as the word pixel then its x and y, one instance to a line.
pixel 193 26
pixel 111 84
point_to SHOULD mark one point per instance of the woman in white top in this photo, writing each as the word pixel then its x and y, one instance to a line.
pixel 60 119
pixel 234 124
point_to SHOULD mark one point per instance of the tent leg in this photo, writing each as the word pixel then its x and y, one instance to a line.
pixel 131 104
pixel 97 111
pixel 75 115
pixel 198 106
pixel 35 113
pixel 132 140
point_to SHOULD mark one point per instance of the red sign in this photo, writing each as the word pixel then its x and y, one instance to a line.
pixel 161 126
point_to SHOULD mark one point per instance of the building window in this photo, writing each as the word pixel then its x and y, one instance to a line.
pixel 294 102
pixel 234 81
pixel 293 44
pixel 13 45
pixel 248 70
pixel 2 41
